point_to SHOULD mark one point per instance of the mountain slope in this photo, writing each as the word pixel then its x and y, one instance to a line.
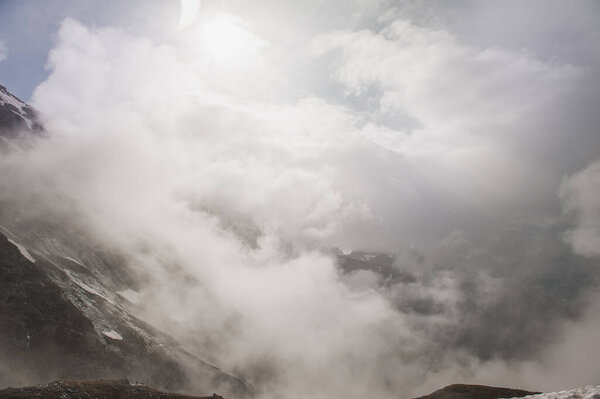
pixel 109 389
pixel 52 326
pixel 64 311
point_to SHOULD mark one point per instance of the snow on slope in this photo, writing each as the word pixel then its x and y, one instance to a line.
pixel 17 106
pixel 112 334
pixel 6 97
pixel 17 115
pixel 23 251
pixel 588 392
pixel 74 260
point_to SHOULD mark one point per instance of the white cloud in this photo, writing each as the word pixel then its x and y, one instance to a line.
pixel 444 84
pixel 241 165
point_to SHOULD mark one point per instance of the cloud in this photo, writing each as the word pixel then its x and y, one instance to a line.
pixel 378 133
pixel 452 86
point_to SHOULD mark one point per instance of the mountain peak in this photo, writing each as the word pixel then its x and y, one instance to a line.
pixel 16 115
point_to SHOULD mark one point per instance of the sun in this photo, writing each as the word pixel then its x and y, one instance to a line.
pixel 222 38
pixel 225 39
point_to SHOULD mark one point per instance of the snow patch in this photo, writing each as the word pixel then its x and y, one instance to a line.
pixel 74 260
pixel 112 334
pixel 588 392
pixel 131 295
pixel 23 251
pixel 86 287
pixel 13 145
pixel 7 98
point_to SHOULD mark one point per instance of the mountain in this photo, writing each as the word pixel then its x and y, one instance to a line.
pixel 462 391
pixel 68 303
pixel 16 116
pixel 379 263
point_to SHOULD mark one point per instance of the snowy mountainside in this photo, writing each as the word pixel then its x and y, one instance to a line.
pixel 16 115
pixel 587 392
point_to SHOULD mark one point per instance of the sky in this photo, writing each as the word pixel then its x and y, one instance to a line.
pixel 243 143
pixel 29 30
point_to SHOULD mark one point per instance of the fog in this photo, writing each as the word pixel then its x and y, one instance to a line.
pixel 239 150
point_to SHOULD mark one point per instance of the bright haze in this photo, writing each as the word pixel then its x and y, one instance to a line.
pixel 242 142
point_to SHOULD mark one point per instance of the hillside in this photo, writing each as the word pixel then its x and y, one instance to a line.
pixel 100 389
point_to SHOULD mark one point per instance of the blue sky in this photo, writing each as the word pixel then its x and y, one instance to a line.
pixel 28 31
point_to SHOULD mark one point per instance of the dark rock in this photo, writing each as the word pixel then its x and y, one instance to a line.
pixel 463 391
pixel 100 389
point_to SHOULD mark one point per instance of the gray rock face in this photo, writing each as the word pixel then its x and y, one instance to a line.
pixel 379 263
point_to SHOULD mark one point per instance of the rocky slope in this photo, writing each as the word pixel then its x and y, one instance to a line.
pixel 98 389
pixel 67 303
pixel 56 320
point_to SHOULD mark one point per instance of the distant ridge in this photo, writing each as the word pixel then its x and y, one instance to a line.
pixel 463 391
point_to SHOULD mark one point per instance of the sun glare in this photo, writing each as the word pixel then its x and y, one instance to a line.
pixel 225 40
